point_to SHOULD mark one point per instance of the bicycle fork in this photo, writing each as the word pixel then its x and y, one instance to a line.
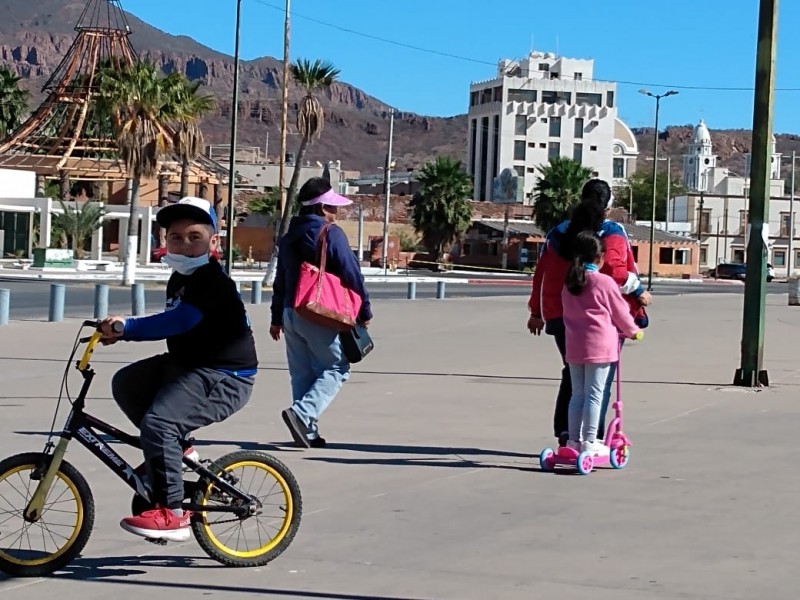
pixel 33 511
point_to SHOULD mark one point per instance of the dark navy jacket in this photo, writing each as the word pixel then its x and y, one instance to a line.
pixel 299 245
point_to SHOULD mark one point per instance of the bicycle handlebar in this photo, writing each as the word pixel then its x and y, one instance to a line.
pixel 92 342
pixel 117 327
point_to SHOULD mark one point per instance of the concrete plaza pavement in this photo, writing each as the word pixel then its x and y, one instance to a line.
pixel 430 488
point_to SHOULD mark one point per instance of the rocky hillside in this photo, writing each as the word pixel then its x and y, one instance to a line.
pixel 35 35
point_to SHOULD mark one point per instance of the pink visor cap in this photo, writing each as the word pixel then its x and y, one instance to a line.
pixel 329 198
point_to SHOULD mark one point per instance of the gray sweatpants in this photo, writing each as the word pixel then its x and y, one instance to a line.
pixel 166 402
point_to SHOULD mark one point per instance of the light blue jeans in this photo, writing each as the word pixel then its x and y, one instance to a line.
pixel 317 367
pixel 588 385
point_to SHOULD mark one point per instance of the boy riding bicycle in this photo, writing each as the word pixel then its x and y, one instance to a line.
pixel 206 375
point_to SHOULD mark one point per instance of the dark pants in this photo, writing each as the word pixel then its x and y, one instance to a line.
pixel 556 328
pixel 166 402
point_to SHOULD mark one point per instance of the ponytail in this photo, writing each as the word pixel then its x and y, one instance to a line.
pixel 587 249
pixel 576 277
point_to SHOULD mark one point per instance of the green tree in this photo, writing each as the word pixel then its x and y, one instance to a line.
pixel 314 77
pixel 77 224
pixel 268 204
pixel 13 102
pixel 141 107
pixel 558 190
pixel 190 108
pixel 441 209
pixel 641 183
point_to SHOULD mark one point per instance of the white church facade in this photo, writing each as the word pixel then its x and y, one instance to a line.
pixel 716 205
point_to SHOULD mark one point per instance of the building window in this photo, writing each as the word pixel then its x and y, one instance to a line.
pixel 683 256
pixel 738 257
pixel 521 125
pixel 496 146
pixel 519 150
pixel 532 145
pixel 635 253
pixel 742 222
pixel 619 168
pixel 797 259
pixel 473 148
pixel 577 153
pixel 544 67
pixel 553 150
pixel 498 94
pixel 554 75
pixel 552 97
pixel 542 145
pixel 588 99
pixel 779 258
pixel 484 177
pixel 531 169
pixel 555 127
pixel 578 76
pixel 593 148
pixel 665 256
pixel 703 255
pixel 610 99
pixel 705 221
pixel 486 96
pixel 578 129
pixel 786 224
pixel 522 95
pixel 474 98
pixel 520 171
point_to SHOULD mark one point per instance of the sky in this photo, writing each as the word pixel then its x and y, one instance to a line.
pixel 683 44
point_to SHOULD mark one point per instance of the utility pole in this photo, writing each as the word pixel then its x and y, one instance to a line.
pixel 790 258
pixel 751 372
pixel 232 166
pixel 387 185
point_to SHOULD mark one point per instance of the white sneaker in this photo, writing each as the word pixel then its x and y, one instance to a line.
pixel 597 448
pixel 573 445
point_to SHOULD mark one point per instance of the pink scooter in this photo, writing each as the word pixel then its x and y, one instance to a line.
pixel 618 443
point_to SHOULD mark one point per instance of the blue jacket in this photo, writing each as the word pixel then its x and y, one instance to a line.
pixel 299 245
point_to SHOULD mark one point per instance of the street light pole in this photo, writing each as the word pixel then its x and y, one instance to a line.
pixel 658 98
pixel 387 182
pixel 751 372
pixel 232 165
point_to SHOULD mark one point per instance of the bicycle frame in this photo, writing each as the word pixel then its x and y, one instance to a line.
pixel 84 428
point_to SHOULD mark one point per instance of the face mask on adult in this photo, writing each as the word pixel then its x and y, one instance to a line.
pixel 185 265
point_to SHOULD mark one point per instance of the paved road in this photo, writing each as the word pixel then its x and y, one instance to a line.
pixel 30 299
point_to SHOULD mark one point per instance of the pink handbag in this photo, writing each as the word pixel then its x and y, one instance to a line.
pixel 320 296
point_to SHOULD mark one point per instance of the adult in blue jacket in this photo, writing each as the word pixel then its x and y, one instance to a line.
pixel 317 365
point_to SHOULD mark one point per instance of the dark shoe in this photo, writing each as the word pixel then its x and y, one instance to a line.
pixel 563 439
pixel 296 427
pixel 318 442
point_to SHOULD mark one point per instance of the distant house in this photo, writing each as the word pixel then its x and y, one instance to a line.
pixel 482 246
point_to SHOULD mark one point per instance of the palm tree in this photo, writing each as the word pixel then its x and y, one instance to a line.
pixel 78 223
pixel 13 102
pixel 141 108
pixel 441 207
pixel 190 107
pixel 314 77
pixel 558 190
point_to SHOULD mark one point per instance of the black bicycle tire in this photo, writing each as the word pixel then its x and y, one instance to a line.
pixel 208 545
pixel 84 497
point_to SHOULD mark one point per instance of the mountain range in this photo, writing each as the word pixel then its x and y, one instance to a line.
pixel 35 35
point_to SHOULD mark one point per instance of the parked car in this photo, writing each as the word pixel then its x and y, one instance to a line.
pixel 736 271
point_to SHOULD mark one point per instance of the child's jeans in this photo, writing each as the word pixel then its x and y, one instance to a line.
pixel 588 384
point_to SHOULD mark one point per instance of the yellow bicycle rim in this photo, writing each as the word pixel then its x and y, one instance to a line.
pixel 75 532
pixel 287 520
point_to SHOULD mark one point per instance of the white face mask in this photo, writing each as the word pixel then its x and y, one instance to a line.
pixel 185 265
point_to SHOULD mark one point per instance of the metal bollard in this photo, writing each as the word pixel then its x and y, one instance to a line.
pixel 412 290
pixel 57 293
pixel 794 291
pixel 5 303
pixel 137 299
pixel 100 301
pixel 440 290
pixel 255 292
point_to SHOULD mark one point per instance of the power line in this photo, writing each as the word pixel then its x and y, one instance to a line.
pixel 493 64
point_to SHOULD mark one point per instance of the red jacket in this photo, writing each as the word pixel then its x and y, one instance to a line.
pixel 551 271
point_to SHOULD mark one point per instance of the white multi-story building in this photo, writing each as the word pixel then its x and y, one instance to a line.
pixel 716 209
pixel 543 106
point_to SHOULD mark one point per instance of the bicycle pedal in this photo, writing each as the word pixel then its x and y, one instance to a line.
pixel 157 542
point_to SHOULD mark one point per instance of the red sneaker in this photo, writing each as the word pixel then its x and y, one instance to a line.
pixel 159 524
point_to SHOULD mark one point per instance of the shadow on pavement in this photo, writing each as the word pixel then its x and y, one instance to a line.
pixel 116 570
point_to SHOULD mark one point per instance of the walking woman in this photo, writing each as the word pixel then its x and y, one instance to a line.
pixel 546 312
pixel 317 365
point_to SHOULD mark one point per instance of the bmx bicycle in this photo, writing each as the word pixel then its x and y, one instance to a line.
pixel 53 507
pixel 618 444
